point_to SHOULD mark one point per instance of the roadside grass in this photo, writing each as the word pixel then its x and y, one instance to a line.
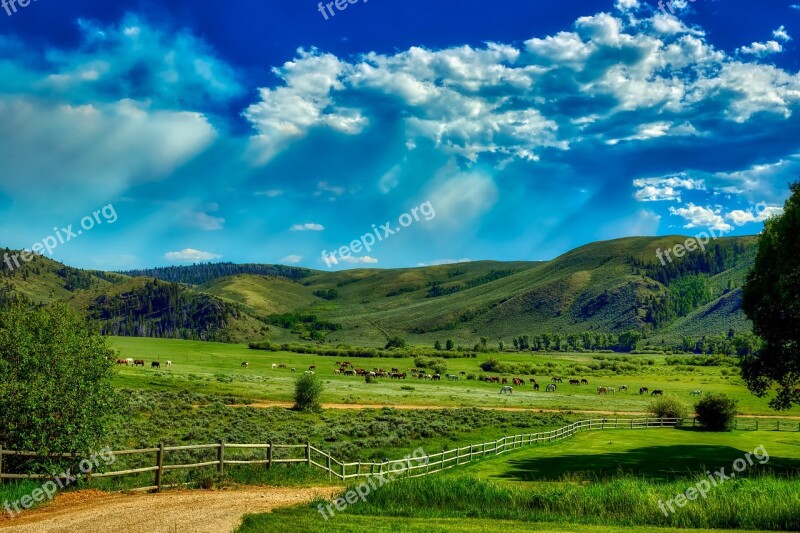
pixel 215 368
pixel 305 519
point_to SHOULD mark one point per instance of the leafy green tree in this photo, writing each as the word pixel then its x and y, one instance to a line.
pixel 668 407
pixel 437 345
pixel 55 381
pixel 307 392
pixel 396 342
pixel 449 344
pixel 772 301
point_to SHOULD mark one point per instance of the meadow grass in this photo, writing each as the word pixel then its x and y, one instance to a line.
pixel 214 368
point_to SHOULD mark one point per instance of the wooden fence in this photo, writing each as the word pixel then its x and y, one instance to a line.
pixel 314 457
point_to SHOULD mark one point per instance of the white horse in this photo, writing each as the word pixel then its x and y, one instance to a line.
pixel 507 389
pixel 169 363
pixel 274 366
pixel 696 393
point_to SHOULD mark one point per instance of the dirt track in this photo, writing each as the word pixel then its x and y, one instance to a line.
pixel 198 511
pixel 357 406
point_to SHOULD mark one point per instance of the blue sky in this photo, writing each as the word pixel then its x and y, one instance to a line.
pixel 255 131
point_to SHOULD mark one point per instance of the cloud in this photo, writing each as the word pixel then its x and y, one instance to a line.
pixel 291 259
pixel 205 222
pixel 356 260
pixel 271 193
pixel 307 227
pixel 762 49
pixel 191 255
pixel 701 217
pixel 781 34
pixel 666 188
pixel 759 213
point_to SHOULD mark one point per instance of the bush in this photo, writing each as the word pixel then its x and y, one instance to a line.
pixel 716 412
pixel 55 381
pixel 307 391
pixel 396 342
pixel 669 407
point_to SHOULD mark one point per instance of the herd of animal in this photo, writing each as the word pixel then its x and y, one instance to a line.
pixel 129 361
pixel 347 369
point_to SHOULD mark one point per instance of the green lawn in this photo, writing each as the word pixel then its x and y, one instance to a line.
pixel 654 454
pixel 215 368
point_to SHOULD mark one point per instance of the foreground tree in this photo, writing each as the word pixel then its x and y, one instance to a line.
pixel 55 381
pixel 772 301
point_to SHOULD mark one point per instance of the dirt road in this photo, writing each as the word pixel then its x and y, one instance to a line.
pixel 198 511
pixel 358 406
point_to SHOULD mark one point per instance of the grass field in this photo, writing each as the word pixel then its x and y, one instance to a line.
pixel 214 368
pixel 593 482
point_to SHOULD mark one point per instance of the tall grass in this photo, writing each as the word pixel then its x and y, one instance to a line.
pixel 765 502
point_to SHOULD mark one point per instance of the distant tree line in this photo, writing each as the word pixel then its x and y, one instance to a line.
pixel 437 290
pixel 203 273
pixel 164 310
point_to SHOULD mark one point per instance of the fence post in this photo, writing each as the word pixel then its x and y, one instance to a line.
pixel 160 465
pixel 328 464
pixel 308 453
pixel 221 457
pixel 779 425
pixel 756 424
pixel 358 470
pixel 269 455
pixel 458 455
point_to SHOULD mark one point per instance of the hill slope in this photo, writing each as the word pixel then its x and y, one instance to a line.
pixel 609 287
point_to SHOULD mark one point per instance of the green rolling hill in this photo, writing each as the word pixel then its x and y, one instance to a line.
pixel 609 287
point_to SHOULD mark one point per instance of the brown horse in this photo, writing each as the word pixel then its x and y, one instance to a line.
pixel 574 382
pixel 139 362
pixel 644 390
pixel 155 364
pixel 584 382
pixel 122 362
pixel 657 392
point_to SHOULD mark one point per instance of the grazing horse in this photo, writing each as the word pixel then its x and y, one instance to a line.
pixel 245 364
pixel 312 367
pixel 274 366
pixel 533 381
pixel 505 381
pixel 602 390
pixel 294 370
pixel 169 363
pixel 507 389
pixel 282 365
pixel 395 370
pixel 623 388
pixel 556 380
pixel 584 382
pixel 696 393
pixel 436 377
pixel 551 388
pixel 122 362
pixel 139 362
pixel 452 377
pixel 644 390
pixel 574 382
pixel 519 382
pixel 155 364
pixel 536 386
pixel 657 392
pixel 463 373
pixel 612 390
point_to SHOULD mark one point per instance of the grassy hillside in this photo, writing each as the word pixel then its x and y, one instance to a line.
pixel 610 287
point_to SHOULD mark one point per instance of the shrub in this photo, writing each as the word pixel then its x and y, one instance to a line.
pixel 669 407
pixel 716 412
pixel 307 391
pixel 396 342
pixel 55 381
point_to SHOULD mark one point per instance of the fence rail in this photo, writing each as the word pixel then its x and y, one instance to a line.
pixel 314 457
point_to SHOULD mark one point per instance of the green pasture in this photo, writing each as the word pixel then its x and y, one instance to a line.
pixel 653 453
pixel 214 368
